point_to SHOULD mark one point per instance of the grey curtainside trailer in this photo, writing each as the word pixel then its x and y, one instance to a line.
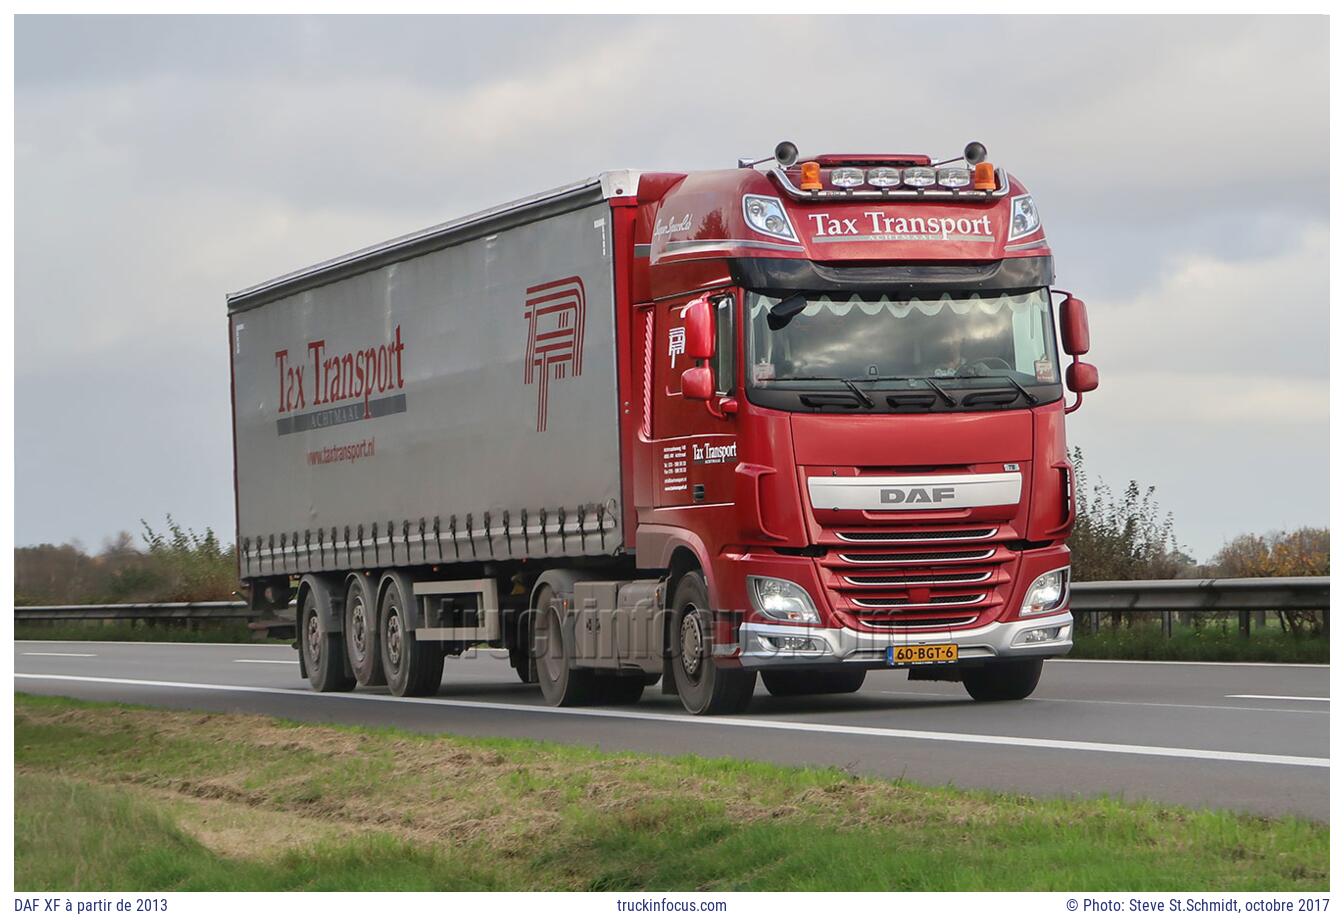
pixel 378 418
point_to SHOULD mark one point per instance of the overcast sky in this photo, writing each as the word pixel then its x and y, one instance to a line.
pixel 1180 166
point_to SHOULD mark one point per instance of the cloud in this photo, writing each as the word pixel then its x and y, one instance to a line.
pixel 163 161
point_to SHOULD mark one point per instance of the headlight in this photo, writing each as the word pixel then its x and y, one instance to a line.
pixel 1046 593
pixel 920 177
pixel 884 177
pixel 954 177
pixel 767 215
pixel 782 600
pixel 1025 220
pixel 847 177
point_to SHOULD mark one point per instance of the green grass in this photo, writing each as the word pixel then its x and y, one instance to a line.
pixel 114 797
pixel 1217 640
pixel 126 632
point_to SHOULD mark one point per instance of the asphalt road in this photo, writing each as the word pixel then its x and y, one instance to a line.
pixel 1251 738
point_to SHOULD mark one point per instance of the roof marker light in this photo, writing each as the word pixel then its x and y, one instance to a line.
pixel 984 177
pixel 811 176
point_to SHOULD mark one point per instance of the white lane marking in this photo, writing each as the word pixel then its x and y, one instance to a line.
pixel 1261 696
pixel 61 654
pixel 1099 747
pixel 1050 699
pixel 263 661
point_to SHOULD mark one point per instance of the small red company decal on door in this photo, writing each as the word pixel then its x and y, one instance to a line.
pixel 555 319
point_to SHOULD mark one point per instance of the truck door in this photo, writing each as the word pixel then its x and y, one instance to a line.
pixel 694 452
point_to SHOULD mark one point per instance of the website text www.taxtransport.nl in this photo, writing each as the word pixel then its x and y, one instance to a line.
pixel 669 905
pixel 342 453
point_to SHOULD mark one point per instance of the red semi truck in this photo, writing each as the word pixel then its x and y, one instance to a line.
pixel 799 419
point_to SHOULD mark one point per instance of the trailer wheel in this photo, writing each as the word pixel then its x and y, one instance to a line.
pixel 1003 680
pixel 562 684
pixel 704 687
pixel 412 668
pixel 361 632
pixel 805 682
pixel 323 652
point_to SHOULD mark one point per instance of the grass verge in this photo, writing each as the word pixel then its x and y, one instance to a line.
pixel 1216 641
pixel 114 797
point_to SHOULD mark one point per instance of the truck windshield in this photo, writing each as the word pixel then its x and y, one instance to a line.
pixel 943 344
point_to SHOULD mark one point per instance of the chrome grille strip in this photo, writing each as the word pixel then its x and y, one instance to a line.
pixel 961 600
pixel 932 581
pixel 916 558
pixel 892 536
pixel 918 624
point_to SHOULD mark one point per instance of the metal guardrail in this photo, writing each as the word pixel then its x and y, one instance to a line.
pixel 1091 599
pixel 1169 597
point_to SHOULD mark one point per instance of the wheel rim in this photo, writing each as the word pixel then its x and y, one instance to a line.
pixel 313 633
pixel 692 643
pixel 394 637
pixel 554 657
pixel 359 630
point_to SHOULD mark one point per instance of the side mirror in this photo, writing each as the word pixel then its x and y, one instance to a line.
pixel 1081 377
pixel 698 382
pixel 1075 336
pixel 699 318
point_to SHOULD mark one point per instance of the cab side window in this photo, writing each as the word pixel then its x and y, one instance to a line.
pixel 725 346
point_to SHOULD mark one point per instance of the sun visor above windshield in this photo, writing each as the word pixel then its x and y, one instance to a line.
pixel 789 275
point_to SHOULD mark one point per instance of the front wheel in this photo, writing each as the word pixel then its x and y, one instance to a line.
pixel 705 688
pixel 1003 680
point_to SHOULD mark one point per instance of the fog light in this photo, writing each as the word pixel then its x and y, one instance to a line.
pixel 791 643
pixel 920 177
pixel 1037 635
pixel 847 177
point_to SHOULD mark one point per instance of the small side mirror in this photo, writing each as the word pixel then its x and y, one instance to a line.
pixel 699 319
pixel 697 382
pixel 1081 377
pixel 1075 337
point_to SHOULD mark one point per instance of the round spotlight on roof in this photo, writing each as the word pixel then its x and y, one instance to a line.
pixel 786 153
pixel 975 152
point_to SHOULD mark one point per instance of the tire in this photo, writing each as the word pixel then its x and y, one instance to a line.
pixel 361 631
pixel 620 689
pixel 805 682
pixel 323 652
pixel 704 687
pixel 1003 680
pixel 412 668
pixel 562 684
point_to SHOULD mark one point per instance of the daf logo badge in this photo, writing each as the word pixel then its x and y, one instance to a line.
pixel 918 496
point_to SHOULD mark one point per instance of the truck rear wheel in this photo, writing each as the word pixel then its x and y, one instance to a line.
pixel 803 682
pixel 361 632
pixel 412 668
pixel 323 651
pixel 1003 680
pixel 562 684
pixel 704 687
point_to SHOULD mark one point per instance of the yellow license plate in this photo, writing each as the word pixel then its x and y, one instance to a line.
pixel 921 654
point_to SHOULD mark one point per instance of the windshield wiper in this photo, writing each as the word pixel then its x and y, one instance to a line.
pixel 1026 394
pixel 849 383
pixel 930 381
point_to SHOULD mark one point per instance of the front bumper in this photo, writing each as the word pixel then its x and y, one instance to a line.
pixel 760 643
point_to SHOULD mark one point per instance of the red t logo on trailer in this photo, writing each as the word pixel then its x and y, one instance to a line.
pixel 555 318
